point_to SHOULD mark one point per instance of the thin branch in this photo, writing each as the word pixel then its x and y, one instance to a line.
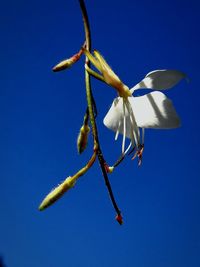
pixel 91 102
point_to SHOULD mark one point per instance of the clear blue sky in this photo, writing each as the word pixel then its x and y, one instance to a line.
pixel 40 116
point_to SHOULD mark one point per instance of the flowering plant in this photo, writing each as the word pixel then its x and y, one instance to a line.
pixel 128 115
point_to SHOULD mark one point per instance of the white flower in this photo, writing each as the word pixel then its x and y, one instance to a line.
pixel 154 110
pixel 130 115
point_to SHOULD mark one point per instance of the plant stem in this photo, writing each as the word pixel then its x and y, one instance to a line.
pixel 90 102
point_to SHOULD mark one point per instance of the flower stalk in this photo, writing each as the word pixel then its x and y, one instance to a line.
pixel 90 102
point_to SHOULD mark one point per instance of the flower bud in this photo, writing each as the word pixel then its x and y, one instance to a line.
pixel 65 64
pixel 57 192
pixel 83 138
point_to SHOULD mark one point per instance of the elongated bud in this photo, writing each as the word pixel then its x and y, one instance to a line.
pixel 83 138
pixel 83 134
pixel 65 64
pixel 57 192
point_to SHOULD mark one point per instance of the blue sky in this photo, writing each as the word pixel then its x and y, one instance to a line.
pixel 41 113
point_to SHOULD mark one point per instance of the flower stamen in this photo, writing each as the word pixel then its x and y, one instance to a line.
pixel 142 136
pixel 135 129
pixel 129 146
pixel 124 128
pixel 117 132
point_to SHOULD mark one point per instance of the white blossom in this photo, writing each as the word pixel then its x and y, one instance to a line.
pixel 130 115
pixel 154 110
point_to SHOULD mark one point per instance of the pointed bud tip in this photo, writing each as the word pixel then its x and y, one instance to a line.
pixel 43 205
pixel 41 208
pixel 54 69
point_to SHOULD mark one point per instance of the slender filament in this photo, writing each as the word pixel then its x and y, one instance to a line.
pixel 142 136
pixel 129 146
pixel 117 132
pixel 124 128
pixel 135 129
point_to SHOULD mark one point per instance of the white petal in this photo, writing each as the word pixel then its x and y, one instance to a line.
pixel 117 132
pixel 160 79
pixel 114 118
pixel 154 110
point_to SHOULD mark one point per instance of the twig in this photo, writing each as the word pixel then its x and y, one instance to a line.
pixel 91 104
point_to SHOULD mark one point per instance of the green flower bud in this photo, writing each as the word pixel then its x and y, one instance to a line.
pixel 57 192
pixel 83 138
